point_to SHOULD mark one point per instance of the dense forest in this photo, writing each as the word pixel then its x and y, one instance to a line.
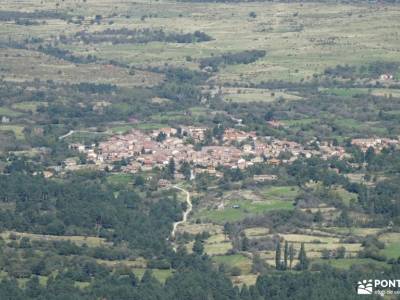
pixel 80 206
pixel 245 57
pixel 195 278
pixel 124 35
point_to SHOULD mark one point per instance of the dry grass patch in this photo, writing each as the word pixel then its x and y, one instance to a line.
pixel 392 244
pixel 217 249
pixel 303 238
pixel 320 232
pixel 137 263
pixel 256 232
pixel 235 260
pixel 28 106
pixel 199 228
pixel 90 241
pixel 160 275
pixel 319 247
pixel 249 279
pixel 217 245
pixel 37 65
pixel 390 237
pixel 255 95
pixel 323 209
pixel 357 231
pixel 18 130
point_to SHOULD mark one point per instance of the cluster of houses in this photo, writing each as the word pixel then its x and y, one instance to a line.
pixel 386 77
pixel 378 144
pixel 143 151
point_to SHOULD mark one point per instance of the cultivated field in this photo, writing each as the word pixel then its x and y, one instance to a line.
pixel 300 39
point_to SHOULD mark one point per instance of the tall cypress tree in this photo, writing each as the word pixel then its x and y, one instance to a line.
pixel 285 256
pixel 255 293
pixel 171 168
pixel 292 253
pixel 245 293
pixel 278 264
pixel 245 243
pixel 303 260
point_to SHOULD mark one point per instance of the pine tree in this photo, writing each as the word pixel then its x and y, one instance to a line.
pixel 198 246
pixel 147 277
pixel 258 265
pixel 185 170
pixel 344 219
pixel 245 242
pixel 369 154
pixel 278 255
pixel 161 137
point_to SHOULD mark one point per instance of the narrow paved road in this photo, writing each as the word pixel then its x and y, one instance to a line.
pixel 185 213
pixel 66 135
pixel 77 131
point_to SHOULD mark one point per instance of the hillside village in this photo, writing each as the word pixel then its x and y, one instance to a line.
pixel 236 149
pixel 199 149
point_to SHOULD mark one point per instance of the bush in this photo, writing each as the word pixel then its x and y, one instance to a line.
pixel 159 264
pixel 235 271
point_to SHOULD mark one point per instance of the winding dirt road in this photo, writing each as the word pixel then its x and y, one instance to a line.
pixel 185 213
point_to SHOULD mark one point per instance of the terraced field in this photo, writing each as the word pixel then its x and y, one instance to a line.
pixel 314 36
